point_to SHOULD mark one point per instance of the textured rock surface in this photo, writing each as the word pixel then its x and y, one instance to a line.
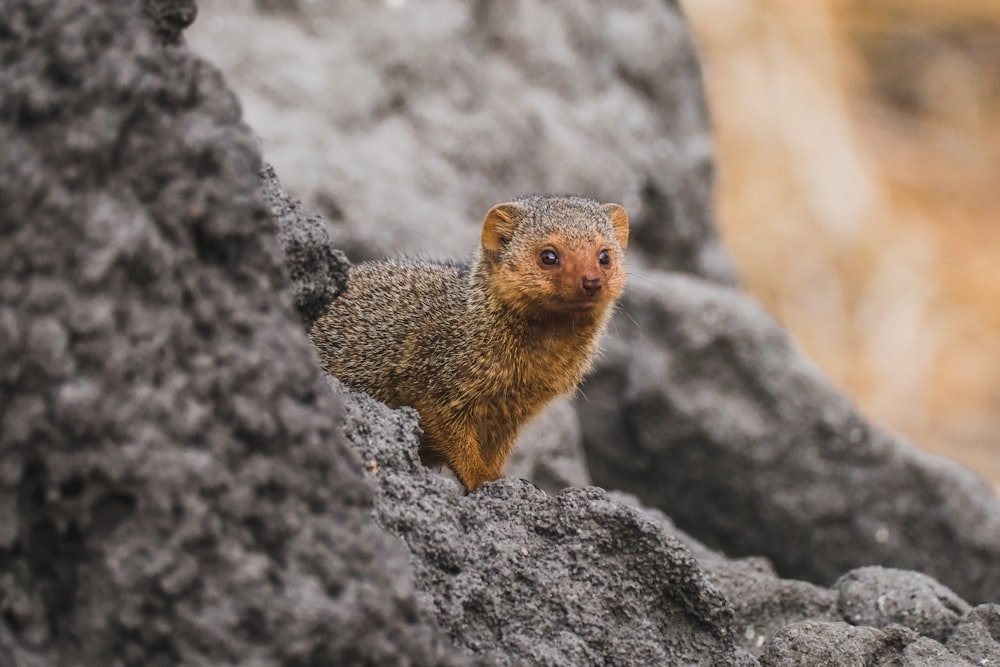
pixel 318 272
pixel 170 17
pixel 521 577
pixel 977 637
pixel 879 597
pixel 763 603
pixel 703 407
pixel 173 486
pixel 820 643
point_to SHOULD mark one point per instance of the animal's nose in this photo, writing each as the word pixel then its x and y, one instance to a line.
pixel 590 286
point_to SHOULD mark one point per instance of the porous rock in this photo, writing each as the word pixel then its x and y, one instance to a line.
pixel 824 643
pixel 174 488
pixel 170 17
pixel 519 577
pixel 977 636
pixel 879 596
pixel 317 271
pixel 764 603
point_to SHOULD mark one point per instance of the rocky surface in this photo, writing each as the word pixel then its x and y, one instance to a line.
pixel 977 636
pixel 522 577
pixel 317 271
pixel 179 485
pixel 174 488
pixel 879 597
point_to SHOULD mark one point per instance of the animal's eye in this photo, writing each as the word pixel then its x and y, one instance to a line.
pixel 604 257
pixel 549 257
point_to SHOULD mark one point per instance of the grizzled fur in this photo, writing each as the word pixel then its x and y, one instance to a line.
pixel 480 348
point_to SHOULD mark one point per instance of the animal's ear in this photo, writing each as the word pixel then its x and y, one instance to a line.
pixel 499 225
pixel 619 220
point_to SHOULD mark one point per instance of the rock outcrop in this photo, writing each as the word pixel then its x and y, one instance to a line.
pixel 179 484
pixel 174 485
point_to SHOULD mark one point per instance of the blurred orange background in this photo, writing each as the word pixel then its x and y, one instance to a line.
pixel 858 146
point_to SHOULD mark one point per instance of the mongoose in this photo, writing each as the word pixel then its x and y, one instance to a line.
pixel 479 348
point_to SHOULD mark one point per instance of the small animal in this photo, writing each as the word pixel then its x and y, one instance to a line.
pixel 479 348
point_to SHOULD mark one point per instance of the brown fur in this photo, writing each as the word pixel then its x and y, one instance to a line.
pixel 479 349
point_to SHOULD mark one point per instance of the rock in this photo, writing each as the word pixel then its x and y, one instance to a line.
pixel 170 17
pixel 518 577
pixel 820 643
pixel 977 637
pixel 763 603
pixel 318 272
pixel 174 485
pixel 703 407
pixel 878 596
pixel 179 485
pixel 405 122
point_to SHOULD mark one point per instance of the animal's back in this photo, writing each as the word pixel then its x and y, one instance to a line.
pixel 397 320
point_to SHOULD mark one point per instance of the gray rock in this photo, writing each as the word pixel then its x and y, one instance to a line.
pixel 879 596
pixel 170 17
pixel 179 485
pixel 405 122
pixel 763 603
pixel 977 637
pixel 821 643
pixel 518 577
pixel 318 272
pixel 174 485
pixel 702 406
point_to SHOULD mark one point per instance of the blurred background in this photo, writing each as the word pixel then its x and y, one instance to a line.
pixel 858 147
